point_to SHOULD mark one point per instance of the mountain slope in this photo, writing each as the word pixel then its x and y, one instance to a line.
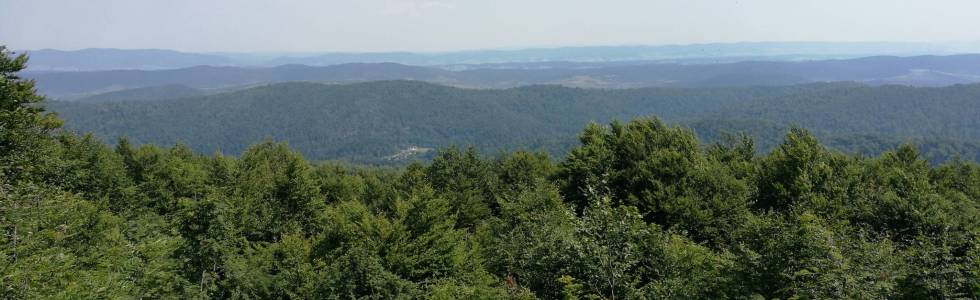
pixel 73 84
pixel 371 119
pixel 913 71
pixel 146 94
pixel 367 121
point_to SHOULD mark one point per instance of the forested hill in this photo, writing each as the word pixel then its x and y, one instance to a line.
pixel 912 71
pixel 636 210
pixel 146 94
pixel 369 121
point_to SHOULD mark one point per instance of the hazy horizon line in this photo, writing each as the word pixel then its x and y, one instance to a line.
pixel 523 48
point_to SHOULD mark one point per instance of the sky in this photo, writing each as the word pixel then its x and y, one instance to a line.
pixel 449 25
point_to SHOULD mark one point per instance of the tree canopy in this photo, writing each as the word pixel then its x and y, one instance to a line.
pixel 636 210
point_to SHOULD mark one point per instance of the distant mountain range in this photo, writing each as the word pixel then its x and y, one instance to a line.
pixel 371 122
pixel 371 107
pixel 880 70
pixel 152 59
pixel 119 59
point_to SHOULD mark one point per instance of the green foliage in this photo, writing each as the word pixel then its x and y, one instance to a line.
pixel 59 246
pixel 276 186
pixel 24 127
pixel 681 269
pixel 467 180
pixel 532 240
pixel 609 249
pixel 802 256
pixel 640 210
pixel 663 172
pixel 413 252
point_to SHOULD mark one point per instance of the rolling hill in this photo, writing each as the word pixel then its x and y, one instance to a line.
pixel 911 71
pixel 368 121
pixel 135 59
pixel 152 93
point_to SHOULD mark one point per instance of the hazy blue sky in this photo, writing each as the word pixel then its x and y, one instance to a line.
pixel 438 25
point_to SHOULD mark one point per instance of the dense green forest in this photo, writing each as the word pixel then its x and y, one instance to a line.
pixel 636 210
pixel 146 94
pixel 367 122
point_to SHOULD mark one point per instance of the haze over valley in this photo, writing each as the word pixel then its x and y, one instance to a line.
pixel 877 70
pixel 338 113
